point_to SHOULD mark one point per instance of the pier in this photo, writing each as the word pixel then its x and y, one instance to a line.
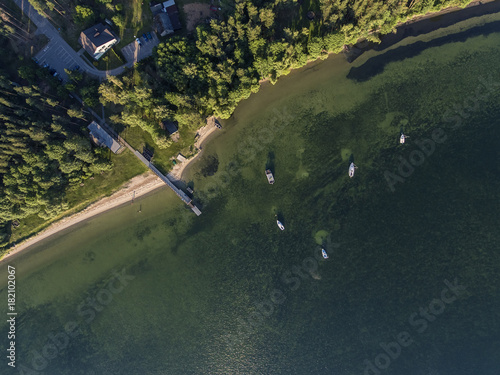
pixel 168 179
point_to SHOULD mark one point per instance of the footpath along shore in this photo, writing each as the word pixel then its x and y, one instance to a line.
pixel 148 182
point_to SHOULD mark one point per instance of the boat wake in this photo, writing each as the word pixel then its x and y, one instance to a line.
pixel 316 276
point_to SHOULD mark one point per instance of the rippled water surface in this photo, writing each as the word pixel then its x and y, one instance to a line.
pixel 411 283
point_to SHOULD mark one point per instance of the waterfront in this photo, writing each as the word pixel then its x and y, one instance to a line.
pixel 197 284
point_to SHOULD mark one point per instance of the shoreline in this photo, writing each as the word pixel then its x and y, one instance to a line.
pixel 148 182
pixel 409 28
pixel 136 187
pixel 203 134
pixel 133 188
pixel 426 23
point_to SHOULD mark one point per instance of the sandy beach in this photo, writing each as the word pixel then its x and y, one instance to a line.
pixel 134 188
pixel 146 183
pixel 203 134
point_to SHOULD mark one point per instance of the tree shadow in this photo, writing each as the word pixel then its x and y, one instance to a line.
pixel 270 161
pixel 280 217
pixel 375 65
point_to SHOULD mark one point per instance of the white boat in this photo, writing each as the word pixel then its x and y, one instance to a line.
pixel 270 176
pixel 402 138
pixel 325 255
pixel 352 167
pixel 280 225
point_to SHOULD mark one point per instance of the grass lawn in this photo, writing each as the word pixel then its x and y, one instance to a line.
pixel 111 59
pixel 125 167
pixel 162 158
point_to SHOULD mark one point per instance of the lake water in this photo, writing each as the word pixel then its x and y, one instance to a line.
pixel 411 283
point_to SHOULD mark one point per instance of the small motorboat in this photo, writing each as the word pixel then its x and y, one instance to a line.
pixel 280 225
pixel 352 167
pixel 270 177
pixel 325 255
pixel 402 138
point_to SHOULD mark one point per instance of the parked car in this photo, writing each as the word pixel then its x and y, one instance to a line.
pixel 138 41
pixel 149 36
pixel 145 37
pixel 45 65
pixel 76 67
pixel 35 60
pixel 55 74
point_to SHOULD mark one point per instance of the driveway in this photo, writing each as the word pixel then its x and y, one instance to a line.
pixel 133 52
pixel 59 55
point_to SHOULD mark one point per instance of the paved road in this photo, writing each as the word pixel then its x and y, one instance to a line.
pixel 58 54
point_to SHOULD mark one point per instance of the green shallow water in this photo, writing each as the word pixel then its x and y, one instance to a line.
pixel 228 293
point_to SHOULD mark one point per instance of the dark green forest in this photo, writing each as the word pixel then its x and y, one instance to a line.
pixel 44 143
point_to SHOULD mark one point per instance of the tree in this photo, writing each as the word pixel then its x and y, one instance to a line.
pixel 334 42
pixel 27 72
pixel 267 17
pixel 42 152
pixel 83 14
pixel 76 113
pixel 119 21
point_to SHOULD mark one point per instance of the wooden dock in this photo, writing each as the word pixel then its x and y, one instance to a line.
pixel 168 180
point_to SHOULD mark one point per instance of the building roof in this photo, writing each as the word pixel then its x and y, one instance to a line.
pixel 169 126
pixel 103 138
pixel 173 14
pixel 181 158
pixel 162 24
pixel 172 9
pixel 156 8
pixel 96 36
pixel 168 3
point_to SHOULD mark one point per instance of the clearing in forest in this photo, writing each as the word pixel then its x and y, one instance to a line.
pixel 196 12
